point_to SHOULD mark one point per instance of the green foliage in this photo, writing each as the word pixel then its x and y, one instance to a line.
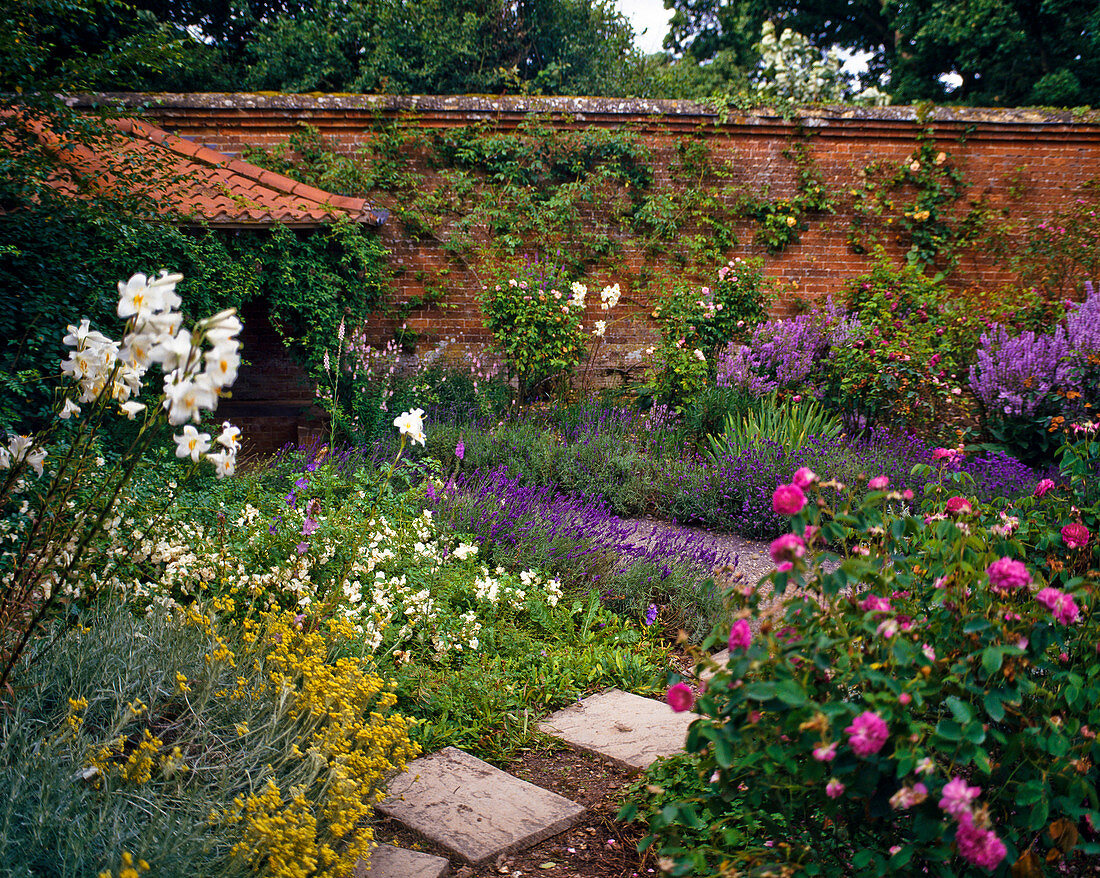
pixel 914 203
pixel 789 424
pixel 972 677
pixel 536 324
pixel 72 45
pixel 1006 54
pixel 1062 251
pixel 421 47
pixel 141 739
pixel 309 281
pixel 495 194
pixel 697 322
pixel 907 359
pixel 782 220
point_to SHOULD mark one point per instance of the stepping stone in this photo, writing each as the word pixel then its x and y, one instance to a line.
pixel 472 809
pixel 721 658
pixel 629 730
pixel 386 861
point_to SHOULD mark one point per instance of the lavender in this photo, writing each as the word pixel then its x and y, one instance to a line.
pixel 1083 324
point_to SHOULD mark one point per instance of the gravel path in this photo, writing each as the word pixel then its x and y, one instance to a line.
pixel 753 560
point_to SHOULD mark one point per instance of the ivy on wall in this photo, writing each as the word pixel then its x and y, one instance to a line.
pixel 916 204
pixel 587 196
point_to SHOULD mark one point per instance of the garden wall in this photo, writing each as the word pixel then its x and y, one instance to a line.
pixel 1015 163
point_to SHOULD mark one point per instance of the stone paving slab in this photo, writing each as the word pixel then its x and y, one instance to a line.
pixel 629 730
pixel 387 861
pixel 721 658
pixel 472 809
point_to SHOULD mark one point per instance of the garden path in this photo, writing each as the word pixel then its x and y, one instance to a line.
pixel 486 821
pixel 478 817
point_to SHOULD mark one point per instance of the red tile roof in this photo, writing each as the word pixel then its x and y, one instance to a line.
pixel 196 183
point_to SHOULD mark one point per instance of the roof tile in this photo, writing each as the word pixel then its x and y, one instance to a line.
pixel 195 182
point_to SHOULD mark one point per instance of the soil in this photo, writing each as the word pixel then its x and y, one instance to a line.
pixel 597 847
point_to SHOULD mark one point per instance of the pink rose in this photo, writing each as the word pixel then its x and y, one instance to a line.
pixel 957 796
pixel 1062 605
pixel 825 752
pixel 804 477
pixel 1006 575
pixel 875 604
pixel 956 505
pixel 1043 486
pixel 787 548
pixel 834 789
pixel 680 697
pixel 867 733
pixel 740 636
pixel 788 500
pixel 1075 536
pixel 977 844
pixel 878 483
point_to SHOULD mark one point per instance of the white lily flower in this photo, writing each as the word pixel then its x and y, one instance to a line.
pixel 184 398
pixel 225 462
pixel 223 362
pixel 230 436
pixel 36 460
pixel 176 352
pixel 191 443
pixel 69 409
pixel 132 409
pixel 411 424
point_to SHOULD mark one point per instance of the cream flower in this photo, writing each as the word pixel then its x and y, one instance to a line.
pixel 411 424
pixel 191 443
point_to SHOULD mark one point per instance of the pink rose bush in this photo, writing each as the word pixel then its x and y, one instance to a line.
pixel 919 704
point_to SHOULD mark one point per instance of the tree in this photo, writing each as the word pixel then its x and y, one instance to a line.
pixel 72 45
pixel 403 46
pixel 1006 52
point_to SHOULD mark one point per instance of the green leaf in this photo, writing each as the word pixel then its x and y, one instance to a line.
pixel 949 730
pixel 994 707
pixel 992 658
pixel 761 690
pixel 959 709
pixel 791 693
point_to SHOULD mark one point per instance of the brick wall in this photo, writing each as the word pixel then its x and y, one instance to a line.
pixel 1026 162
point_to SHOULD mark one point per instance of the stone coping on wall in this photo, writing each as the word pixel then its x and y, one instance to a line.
pixel 594 110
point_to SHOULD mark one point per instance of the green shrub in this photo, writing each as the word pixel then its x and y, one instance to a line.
pixel 195 745
pixel 904 365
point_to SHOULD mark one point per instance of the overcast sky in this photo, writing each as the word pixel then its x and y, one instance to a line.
pixel 649 16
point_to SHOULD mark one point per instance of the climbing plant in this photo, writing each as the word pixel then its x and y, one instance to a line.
pixel 915 203
pixel 590 196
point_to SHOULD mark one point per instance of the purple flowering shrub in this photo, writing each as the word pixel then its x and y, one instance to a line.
pixel 785 355
pixel 1031 383
pixel 924 700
